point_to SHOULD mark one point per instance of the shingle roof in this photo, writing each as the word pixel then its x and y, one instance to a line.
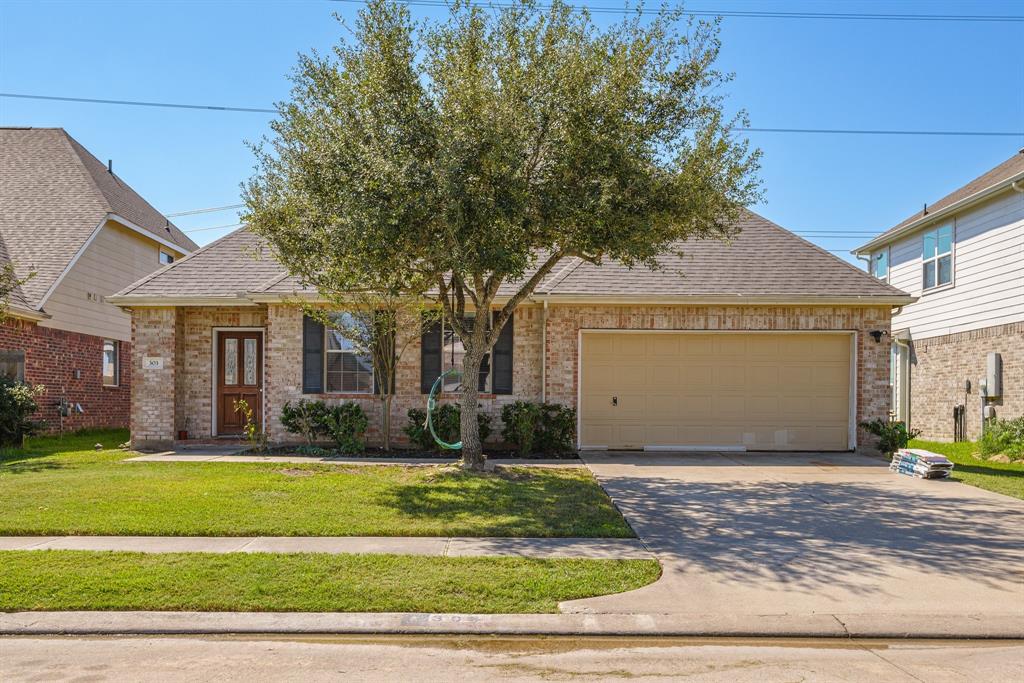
pixel 53 194
pixel 1001 173
pixel 763 262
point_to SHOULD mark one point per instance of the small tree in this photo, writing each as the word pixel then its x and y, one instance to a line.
pixel 9 282
pixel 380 325
pixel 477 152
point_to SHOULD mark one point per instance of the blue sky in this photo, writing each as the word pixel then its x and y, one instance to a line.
pixel 811 73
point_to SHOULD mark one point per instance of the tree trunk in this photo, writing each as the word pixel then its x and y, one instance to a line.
pixel 385 423
pixel 472 448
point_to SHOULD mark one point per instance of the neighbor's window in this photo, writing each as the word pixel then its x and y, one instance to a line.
pixel 937 257
pixel 12 365
pixel 166 258
pixel 348 370
pixel 880 264
pixel 453 351
pixel 111 369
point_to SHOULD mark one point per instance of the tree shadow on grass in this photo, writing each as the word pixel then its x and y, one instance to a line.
pixel 510 503
pixel 808 535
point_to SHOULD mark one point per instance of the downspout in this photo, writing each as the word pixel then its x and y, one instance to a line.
pixel 1018 186
pixel 544 351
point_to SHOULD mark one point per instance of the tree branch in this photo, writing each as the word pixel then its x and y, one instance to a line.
pixel 526 290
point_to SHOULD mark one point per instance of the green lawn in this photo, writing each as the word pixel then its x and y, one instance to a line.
pixel 1005 478
pixel 80 580
pixel 58 487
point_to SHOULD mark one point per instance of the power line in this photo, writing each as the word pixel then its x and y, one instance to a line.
pixel 757 14
pixel 818 131
pixel 134 103
pixel 212 209
pixel 213 227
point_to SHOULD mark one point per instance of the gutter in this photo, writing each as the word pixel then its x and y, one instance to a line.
pixel 130 301
pixel 1015 183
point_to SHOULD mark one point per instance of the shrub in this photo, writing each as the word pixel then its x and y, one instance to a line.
pixel 446 424
pixel 891 435
pixel 17 404
pixel 345 424
pixel 1004 437
pixel 521 423
pixel 305 418
pixel 557 435
pixel 548 428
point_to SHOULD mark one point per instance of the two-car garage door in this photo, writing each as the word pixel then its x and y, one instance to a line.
pixel 761 391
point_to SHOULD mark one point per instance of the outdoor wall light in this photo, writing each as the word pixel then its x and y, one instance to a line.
pixel 877 335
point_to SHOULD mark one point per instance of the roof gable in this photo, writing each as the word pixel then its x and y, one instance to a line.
pixel 54 195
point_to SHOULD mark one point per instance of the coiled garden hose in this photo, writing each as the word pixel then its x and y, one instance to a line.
pixel 431 404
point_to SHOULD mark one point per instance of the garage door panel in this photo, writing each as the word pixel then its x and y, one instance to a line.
pixel 774 391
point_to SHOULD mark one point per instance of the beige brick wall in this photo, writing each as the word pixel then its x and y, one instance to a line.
pixel 284 375
pixel 873 395
pixel 189 336
pixel 939 367
pixel 154 334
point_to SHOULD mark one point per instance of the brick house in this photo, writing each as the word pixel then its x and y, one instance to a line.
pixel 85 234
pixel 961 258
pixel 766 343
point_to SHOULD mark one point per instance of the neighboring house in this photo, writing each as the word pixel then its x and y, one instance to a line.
pixel 82 234
pixel 767 343
pixel 962 257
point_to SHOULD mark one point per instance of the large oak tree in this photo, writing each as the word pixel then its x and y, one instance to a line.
pixel 448 158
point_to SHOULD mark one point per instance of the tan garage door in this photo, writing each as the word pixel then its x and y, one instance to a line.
pixel 770 391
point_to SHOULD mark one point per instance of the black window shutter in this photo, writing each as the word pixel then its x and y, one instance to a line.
pixel 501 382
pixel 430 356
pixel 312 355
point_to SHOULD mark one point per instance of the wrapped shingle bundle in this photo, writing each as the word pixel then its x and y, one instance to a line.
pixel 922 464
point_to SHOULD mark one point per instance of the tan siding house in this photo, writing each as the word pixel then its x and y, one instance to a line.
pixel 78 233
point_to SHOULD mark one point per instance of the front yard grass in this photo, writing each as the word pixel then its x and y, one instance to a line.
pixel 83 580
pixel 1005 478
pixel 64 487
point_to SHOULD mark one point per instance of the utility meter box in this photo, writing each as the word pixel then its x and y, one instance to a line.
pixel 994 374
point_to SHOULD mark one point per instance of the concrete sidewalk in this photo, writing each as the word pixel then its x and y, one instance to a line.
pixel 236 454
pixel 441 546
pixel 812 625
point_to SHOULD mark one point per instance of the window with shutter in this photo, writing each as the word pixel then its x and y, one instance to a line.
pixel 312 356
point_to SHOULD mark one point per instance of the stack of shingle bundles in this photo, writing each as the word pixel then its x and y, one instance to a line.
pixel 922 464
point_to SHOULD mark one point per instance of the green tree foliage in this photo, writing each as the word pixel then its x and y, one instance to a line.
pixel 17 405
pixel 451 157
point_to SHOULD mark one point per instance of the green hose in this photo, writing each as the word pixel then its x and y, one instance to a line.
pixel 431 404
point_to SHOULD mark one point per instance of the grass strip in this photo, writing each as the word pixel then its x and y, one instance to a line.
pixel 86 580
pixel 1001 477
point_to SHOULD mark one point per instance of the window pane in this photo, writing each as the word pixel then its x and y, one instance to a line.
pixel 945 270
pixel 945 239
pixel 230 361
pixel 336 341
pixel 249 361
pixel 109 362
pixel 12 365
pixel 166 258
pixel 929 245
pixel 333 381
pixel 882 264
pixel 929 274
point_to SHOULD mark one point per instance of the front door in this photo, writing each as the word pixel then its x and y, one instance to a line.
pixel 239 377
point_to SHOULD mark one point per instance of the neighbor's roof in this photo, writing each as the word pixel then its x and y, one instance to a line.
pixel 53 196
pixel 763 263
pixel 997 179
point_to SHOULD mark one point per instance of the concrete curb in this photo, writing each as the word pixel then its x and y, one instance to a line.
pixel 437 546
pixel 1006 626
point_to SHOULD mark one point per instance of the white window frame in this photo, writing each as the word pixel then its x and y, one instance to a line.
pixel 454 384
pixel 117 363
pixel 888 264
pixel 160 257
pixel 327 353
pixel 934 259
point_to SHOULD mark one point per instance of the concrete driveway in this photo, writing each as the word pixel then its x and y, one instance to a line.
pixel 802 534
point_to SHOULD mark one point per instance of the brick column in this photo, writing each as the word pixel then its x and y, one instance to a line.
pixel 152 410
